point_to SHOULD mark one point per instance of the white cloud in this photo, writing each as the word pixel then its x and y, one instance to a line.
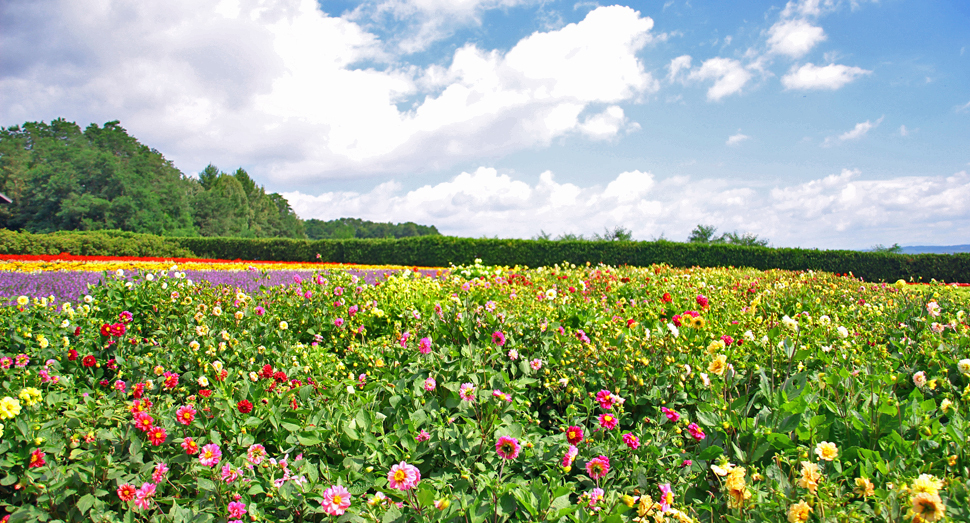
pixel 813 8
pixel 839 210
pixel 794 38
pixel 279 85
pixel 681 63
pixel 811 76
pixel 857 132
pixel 728 74
pixel 736 139
pixel 429 21
pixel 903 131
pixel 963 107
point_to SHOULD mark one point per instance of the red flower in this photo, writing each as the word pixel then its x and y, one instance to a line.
pixel 37 459
pixel 103 383
pixel 112 364
pixel 205 393
pixel 279 376
pixel 106 330
pixel 245 406
pixel 126 492
pixel 138 390
pixel 118 329
pixel 72 355
pixel 157 436
pixel 89 361
pixel 574 435
pixel 77 330
pixel 144 422
pixel 666 298
pixel 267 372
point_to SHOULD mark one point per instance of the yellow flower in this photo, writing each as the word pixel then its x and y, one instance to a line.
pixel 926 483
pixel 928 507
pixel 864 487
pixel 810 476
pixel 798 513
pixel 9 408
pixel 737 489
pixel 23 301
pixel 945 405
pixel 697 323
pixel 715 347
pixel 827 451
pixel 718 365
pixel 30 396
pixel 284 325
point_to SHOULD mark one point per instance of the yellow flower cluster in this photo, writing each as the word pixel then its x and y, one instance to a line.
pixel 30 396
pixel 9 408
pixel 810 477
pixel 799 512
pixel 926 502
pixel 737 489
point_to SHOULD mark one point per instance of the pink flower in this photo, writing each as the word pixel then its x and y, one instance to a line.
pixel 507 448
pixel 403 476
pixel 430 384
pixel 498 338
pixel 608 421
pixel 210 455
pixel 671 415
pixel 631 441
pixel 666 497
pixel 536 364
pixel 598 467
pixel 255 454
pixel 574 435
pixel 467 392
pixel 595 496
pixel 236 509
pixel 158 475
pixel 228 474
pixel 696 432
pixel 336 500
pixel 422 436
pixel 185 414
pixel 727 339
pixel 120 385
pixel 338 322
pixel 424 346
pixel 605 399
pixel 570 456
pixel 703 302
pixel 144 495
pixel 502 395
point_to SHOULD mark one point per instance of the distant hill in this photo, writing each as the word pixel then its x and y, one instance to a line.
pixel 935 249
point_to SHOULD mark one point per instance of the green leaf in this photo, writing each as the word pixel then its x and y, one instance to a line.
pixel 710 453
pixel 85 503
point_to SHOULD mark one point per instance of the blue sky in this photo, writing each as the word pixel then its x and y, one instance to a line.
pixel 812 123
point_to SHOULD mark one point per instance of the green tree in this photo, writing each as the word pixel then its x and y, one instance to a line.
pixel 703 234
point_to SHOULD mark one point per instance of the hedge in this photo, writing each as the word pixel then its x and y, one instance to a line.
pixel 441 251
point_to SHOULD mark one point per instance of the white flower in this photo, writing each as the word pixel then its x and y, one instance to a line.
pixel 120 273
pixel 919 379
pixel 673 329
pixel 203 381
pixel 65 324
pixel 933 308
pixel 551 294
pixel 843 331
pixel 88 298
pixel 150 277
pixel 174 268
pixel 705 380
pixel 964 366
pixel 217 366
pixel 789 323
pixel 824 319
pixel 748 335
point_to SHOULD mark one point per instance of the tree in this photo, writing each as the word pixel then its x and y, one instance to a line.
pixel 703 234
pixel 894 249
pixel 617 234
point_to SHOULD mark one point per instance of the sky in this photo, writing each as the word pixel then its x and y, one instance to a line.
pixel 810 123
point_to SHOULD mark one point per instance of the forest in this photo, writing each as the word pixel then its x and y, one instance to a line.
pixel 61 178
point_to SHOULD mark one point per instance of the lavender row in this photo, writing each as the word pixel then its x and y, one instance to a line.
pixel 73 285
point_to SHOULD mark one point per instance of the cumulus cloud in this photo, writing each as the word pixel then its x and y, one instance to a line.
pixel 857 132
pixel 839 210
pixel 728 74
pixel 794 38
pixel 681 63
pixel 281 85
pixel 811 76
pixel 736 139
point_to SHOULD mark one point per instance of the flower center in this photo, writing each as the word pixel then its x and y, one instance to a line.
pixel 400 475
pixel 337 499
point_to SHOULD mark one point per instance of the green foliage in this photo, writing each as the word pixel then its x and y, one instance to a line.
pixel 346 228
pixel 91 243
pixel 706 234
pixel 894 248
pixel 60 178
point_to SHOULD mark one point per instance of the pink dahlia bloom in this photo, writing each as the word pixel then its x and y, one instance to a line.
pixel 631 441
pixel 605 399
pixel 403 476
pixel 424 346
pixel 608 421
pixel 210 455
pixel 570 457
pixel 598 467
pixel 144 495
pixel 671 415
pixel 236 509
pixel 666 497
pixel 430 384
pixel 336 500
pixel 507 447
pixel 467 392
pixel 696 432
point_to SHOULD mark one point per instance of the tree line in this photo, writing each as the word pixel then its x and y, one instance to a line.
pixel 62 178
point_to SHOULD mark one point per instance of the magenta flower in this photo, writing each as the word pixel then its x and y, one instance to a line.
pixel 507 447
pixel 498 338
pixel 338 322
pixel 666 497
pixel 696 432
pixel 422 436
pixel 256 453
pixel 158 475
pixel 605 399
pixel 144 495
pixel 210 455
pixel 671 415
pixel 570 456
pixel 598 467
pixel 424 346
pixel 703 302
pixel 631 441
pixel 608 421
pixel 236 509
pixel 403 476
pixel 467 392
pixel 430 384
pixel 574 435
pixel 336 500
pixel 502 395
pixel 595 496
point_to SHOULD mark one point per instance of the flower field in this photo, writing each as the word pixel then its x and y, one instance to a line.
pixel 565 393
